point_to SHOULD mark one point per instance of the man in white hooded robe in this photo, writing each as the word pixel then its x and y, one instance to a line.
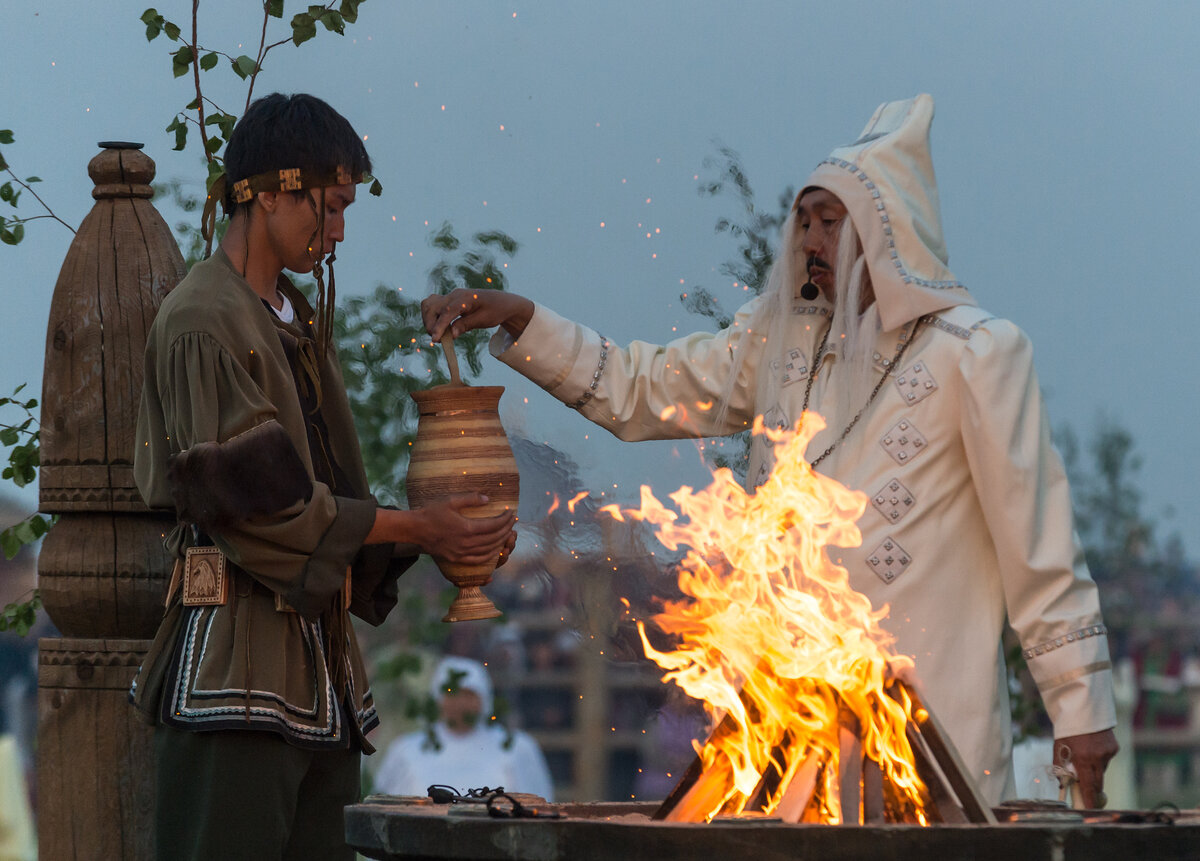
pixel 932 409
pixel 463 749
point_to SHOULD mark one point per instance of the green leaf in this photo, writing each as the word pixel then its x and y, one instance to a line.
pixel 172 31
pixel 18 233
pixel 228 121
pixel 444 238
pixel 181 60
pixel 6 136
pixel 6 236
pixel 24 532
pixel 149 15
pixel 333 22
pixel 152 31
pixel 214 143
pixel 9 436
pixel 498 238
pixel 349 9
pixel 38 525
pixel 275 8
pixel 304 27
pixel 193 104
pixel 30 179
pixel 215 169
pixel 6 192
pixel 208 61
pixel 20 618
pixel 376 188
pixel 10 543
pixel 245 67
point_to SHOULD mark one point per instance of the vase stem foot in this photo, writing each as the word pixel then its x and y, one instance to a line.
pixel 469 605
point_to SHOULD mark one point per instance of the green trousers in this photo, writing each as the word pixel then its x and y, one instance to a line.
pixel 251 795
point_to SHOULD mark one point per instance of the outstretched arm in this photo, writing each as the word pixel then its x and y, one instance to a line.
pixel 462 310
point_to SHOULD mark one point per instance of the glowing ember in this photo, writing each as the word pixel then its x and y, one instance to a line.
pixel 789 660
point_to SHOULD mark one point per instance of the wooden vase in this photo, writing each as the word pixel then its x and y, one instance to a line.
pixel 461 448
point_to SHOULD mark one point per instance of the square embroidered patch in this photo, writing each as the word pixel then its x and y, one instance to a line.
pixel 795 367
pixel 916 383
pixel 893 501
pixel 903 442
pixel 889 560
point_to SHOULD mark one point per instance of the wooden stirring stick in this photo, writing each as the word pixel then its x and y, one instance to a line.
pixel 451 358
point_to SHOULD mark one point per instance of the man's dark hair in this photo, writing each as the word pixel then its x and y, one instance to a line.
pixel 279 132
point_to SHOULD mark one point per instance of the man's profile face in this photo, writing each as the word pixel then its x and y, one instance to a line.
pixel 293 219
pixel 819 215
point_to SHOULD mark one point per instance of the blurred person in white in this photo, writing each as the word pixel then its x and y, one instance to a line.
pixel 932 409
pixel 465 748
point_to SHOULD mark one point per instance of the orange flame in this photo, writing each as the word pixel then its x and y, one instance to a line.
pixel 575 499
pixel 775 641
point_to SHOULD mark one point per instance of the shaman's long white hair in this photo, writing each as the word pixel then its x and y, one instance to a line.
pixel 860 326
pixel 853 332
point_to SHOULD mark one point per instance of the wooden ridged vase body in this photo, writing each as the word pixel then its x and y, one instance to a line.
pixel 461 447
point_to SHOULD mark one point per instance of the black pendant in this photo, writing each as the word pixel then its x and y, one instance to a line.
pixel 808 291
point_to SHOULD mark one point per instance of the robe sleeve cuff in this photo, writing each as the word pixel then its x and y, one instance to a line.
pixel 325 571
pixel 374 590
pixel 560 356
pixel 1083 705
pixel 1074 675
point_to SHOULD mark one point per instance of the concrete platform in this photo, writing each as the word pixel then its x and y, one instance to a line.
pixel 385 827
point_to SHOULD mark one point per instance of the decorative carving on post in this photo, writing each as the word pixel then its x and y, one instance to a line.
pixel 102 569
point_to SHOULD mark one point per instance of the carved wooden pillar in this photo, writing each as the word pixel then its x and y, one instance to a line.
pixel 102 569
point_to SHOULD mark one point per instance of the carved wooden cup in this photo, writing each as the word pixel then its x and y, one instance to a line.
pixel 461 448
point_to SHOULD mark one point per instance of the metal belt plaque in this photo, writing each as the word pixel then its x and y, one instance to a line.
pixel 205 578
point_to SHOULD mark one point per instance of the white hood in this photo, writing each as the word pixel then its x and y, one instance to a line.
pixel 455 673
pixel 886 181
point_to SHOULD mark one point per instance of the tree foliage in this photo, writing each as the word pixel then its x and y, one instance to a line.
pixel 756 231
pixel 12 227
pixel 211 122
pixel 1140 575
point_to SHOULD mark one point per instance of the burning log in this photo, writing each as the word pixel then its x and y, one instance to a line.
pixel 861 793
pixel 795 664
pixel 940 753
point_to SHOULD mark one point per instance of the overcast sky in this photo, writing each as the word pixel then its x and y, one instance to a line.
pixel 1064 145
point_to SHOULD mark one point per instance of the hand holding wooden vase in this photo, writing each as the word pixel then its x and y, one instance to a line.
pixel 462 448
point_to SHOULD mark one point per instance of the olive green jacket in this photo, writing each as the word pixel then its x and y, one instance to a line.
pixel 218 380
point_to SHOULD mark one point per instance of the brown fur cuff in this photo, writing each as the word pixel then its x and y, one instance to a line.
pixel 256 473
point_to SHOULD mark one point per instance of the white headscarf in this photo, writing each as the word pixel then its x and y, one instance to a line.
pixel 454 673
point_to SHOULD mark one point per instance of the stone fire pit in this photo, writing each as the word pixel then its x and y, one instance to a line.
pixel 387 827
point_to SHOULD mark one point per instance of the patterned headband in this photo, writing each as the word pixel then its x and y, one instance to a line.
pixel 292 179
pixel 287 179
